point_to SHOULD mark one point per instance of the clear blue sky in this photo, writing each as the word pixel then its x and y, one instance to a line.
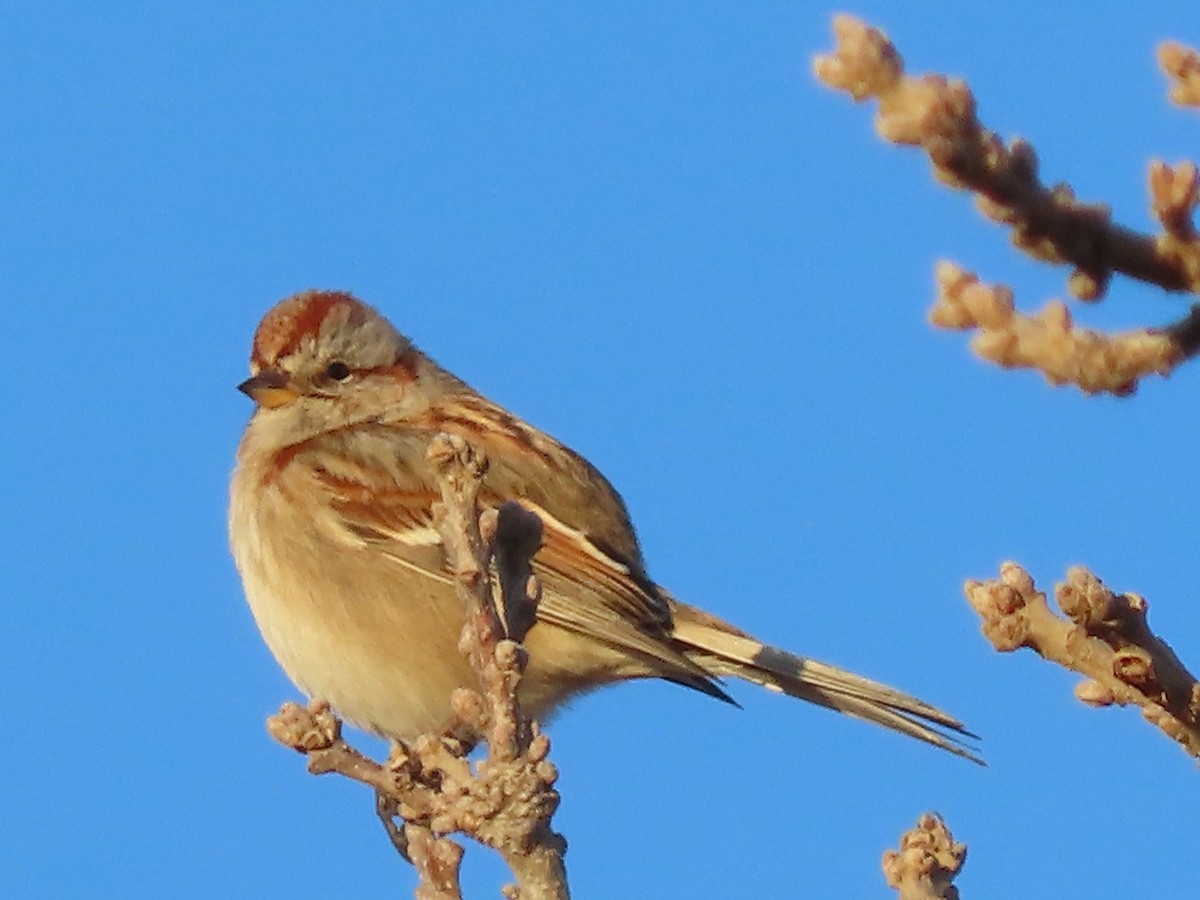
pixel 648 230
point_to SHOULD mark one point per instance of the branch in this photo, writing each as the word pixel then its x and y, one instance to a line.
pixel 1048 223
pixel 1182 66
pixel 515 777
pixel 437 861
pixel 927 862
pixel 507 800
pixel 1050 341
pixel 1104 637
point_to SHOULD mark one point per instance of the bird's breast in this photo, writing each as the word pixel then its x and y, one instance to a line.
pixel 348 624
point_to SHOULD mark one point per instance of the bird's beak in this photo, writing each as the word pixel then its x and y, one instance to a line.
pixel 269 388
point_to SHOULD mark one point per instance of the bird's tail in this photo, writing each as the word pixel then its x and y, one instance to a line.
pixel 720 649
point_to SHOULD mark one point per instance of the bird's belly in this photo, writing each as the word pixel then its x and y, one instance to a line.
pixel 378 639
pixel 383 654
pixel 375 639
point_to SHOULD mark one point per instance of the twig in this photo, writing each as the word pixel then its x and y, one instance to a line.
pixel 437 860
pixel 514 784
pixel 317 733
pixel 1104 637
pixel 1051 342
pixel 1182 65
pixel 1048 223
pixel 507 800
pixel 1174 192
pixel 927 862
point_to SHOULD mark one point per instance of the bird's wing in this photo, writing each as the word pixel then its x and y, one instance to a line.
pixel 587 588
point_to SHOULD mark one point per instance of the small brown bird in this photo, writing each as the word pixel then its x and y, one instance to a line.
pixel 331 524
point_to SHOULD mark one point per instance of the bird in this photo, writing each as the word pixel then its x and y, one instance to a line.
pixel 331 526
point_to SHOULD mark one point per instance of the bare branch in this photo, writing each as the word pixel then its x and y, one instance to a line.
pixel 512 791
pixel 1051 342
pixel 1173 197
pixel 317 733
pixel 1182 66
pixel 505 802
pixel 437 860
pixel 1104 637
pixel 1048 223
pixel 928 861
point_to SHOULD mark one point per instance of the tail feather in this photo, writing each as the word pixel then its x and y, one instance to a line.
pixel 721 649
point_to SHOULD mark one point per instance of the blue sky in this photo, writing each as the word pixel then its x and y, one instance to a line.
pixel 648 230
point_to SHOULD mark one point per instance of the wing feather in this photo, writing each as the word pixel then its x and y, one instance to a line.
pixel 381 493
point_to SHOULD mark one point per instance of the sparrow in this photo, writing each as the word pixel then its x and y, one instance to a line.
pixel 331 524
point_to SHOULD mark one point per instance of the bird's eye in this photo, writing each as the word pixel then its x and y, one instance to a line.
pixel 338 371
